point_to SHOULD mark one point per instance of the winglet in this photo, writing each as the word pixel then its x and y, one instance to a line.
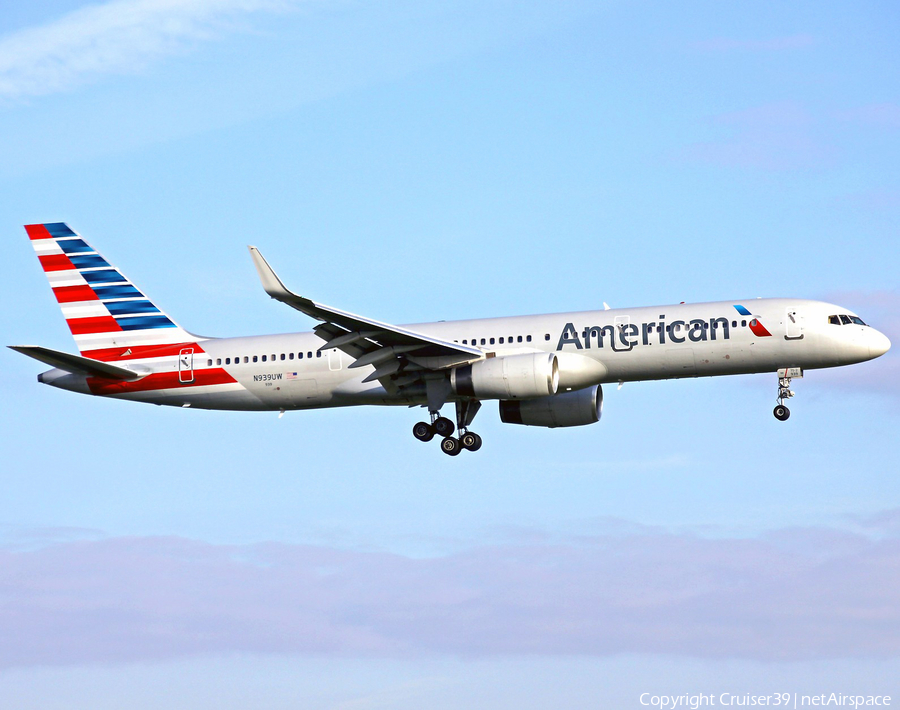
pixel 277 290
pixel 270 281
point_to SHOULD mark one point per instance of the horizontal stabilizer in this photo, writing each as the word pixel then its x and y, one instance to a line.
pixel 75 363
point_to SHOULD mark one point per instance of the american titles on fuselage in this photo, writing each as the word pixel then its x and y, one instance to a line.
pixel 625 335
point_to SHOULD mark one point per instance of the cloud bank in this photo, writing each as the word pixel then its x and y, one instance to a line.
pixel 117 37
pixel 796 594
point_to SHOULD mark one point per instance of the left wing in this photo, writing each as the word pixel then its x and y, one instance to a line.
pixel 401 357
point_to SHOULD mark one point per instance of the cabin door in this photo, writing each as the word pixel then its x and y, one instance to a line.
pixel 793 325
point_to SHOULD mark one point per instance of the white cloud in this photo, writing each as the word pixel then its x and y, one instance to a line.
pixel 117 37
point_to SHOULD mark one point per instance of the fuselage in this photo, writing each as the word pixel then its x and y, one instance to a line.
pixel 291 371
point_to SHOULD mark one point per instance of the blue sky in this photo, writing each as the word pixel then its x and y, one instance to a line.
pixel 416 161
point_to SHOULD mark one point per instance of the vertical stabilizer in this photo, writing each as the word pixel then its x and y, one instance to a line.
pixel 109 317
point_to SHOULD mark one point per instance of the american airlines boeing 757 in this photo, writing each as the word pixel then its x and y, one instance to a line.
pixel 544 370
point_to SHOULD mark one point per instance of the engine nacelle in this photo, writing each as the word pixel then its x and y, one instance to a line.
pixel 567 409
pixel 577 371
pixel 509 377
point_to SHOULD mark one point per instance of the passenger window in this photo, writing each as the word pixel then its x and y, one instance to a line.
pixel 845 320
pixel 743 324
pixel 246 359
pixel 528 338
pixel 501 341
pixel 465 342
pixel 483 342
pixel 290 356
pixel 282 356
pixel 734 324
pixel 218 361
pixel 227 360
pixel 264 358
pixel 546 336
pixel 209 363
pixel 309 354
pixel 318 353
pixel 255 358
pixel 519 339
pixel 299 356
pixel 492 341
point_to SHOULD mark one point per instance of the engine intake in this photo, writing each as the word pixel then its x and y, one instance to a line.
pixel 568 409
pixel 510 377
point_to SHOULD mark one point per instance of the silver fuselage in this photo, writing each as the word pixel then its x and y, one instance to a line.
pixel 289 371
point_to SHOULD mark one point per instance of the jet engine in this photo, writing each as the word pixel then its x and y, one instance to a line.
pixel 510 377
pixel 567 409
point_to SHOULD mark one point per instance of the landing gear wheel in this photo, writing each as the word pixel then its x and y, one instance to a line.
pixel 471 441
pixel 450 446
pixel 782 413
pixel 444 427
pixel 423 431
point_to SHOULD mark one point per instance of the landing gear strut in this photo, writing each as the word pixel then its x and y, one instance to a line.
pixel 785 375
pixel 444 427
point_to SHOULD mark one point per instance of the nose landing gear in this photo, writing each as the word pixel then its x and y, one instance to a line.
pixel 785 375
pixel 443 427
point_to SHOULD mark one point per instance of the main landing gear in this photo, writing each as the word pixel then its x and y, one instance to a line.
pixel 785 375
pixel 443 427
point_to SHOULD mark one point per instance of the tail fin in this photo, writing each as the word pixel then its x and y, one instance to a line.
pixel 108 316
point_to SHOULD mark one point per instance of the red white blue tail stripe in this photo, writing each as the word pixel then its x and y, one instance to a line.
pixel 106 313
pixel 113 321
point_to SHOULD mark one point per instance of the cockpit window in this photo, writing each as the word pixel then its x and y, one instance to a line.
pixel 846 320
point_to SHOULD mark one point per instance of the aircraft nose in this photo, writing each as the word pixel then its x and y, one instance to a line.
pixel 879 344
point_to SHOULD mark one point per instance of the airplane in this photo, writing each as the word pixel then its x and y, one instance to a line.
pixel 544 370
